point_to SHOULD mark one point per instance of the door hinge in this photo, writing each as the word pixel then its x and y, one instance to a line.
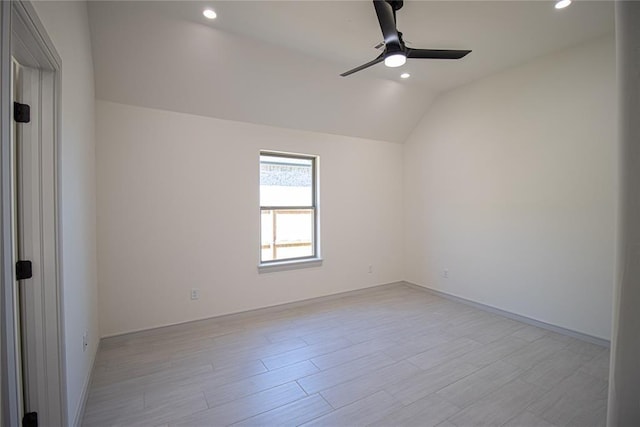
pixel 30 419
pixel 23 270
pixel 21 112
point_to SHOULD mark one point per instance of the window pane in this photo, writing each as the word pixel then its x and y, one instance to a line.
pixel 287 233
pixel 286 181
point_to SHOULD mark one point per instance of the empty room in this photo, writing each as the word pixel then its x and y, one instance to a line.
pixel 327 213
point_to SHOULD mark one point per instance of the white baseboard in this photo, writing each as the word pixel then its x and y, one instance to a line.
pixel 271 308
pixel 301 303
pixel 533 322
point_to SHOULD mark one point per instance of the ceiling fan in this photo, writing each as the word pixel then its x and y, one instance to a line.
pixel 395 51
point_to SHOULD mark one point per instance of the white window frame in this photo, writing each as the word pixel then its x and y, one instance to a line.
pixel 313 260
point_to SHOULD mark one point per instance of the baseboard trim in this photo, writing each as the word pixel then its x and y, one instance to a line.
pixel 77 422
pixel 524 319
pixel 267 309
pixel 296 304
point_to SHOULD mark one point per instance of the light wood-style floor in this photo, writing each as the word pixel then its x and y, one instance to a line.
pixel 387 356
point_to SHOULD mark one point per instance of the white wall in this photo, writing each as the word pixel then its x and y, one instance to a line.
pixel 510 185
pixel 178 208
pixel 67 25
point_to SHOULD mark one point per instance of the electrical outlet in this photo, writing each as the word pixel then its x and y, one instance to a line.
pixel 370 268
pixel 85 340
pixel 445 273
pixel 195 294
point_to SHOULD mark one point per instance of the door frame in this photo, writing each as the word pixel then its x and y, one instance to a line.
pixel 24 38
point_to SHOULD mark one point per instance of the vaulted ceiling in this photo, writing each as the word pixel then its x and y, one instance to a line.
pixel 278 62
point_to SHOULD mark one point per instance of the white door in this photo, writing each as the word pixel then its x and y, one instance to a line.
pixel 36 244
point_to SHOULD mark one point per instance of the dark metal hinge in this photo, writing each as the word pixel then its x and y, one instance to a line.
pixel 21 112
pixel 23 270
pixel 30 419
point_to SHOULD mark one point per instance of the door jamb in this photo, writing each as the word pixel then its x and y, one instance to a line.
pixel 10 389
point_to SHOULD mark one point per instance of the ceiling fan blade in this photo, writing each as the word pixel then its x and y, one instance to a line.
pixel 363 66
pixel 387 20
pixel 436 53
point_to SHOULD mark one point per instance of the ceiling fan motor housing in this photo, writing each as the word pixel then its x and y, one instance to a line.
pixel 393 48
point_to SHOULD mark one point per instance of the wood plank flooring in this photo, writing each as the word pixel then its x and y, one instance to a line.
pixel 386 356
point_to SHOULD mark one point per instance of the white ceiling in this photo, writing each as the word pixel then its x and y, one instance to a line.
pixel 277 62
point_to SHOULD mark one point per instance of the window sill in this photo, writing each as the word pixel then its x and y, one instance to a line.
pixel 289 265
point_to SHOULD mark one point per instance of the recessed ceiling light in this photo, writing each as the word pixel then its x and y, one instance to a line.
pixel 405 75
pixel 209 14
pixel 562 4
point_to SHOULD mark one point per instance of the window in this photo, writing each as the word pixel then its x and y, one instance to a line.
pixel 288 207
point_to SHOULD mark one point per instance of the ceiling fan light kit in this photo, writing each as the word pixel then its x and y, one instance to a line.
pixel 395 52
pixel 395 60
